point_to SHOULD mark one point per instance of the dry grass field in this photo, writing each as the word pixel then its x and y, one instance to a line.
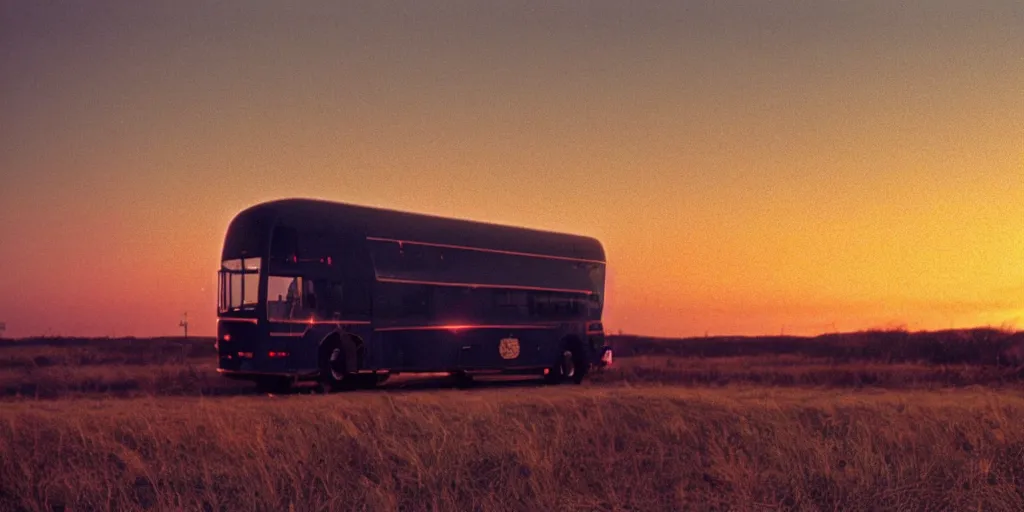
pixel 865 421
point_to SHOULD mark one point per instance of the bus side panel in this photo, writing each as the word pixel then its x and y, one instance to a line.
pixel 478 348
pixel 416 350
pixel 509 348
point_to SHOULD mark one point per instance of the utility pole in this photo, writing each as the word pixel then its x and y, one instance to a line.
pixel 3 327
pixel 184 323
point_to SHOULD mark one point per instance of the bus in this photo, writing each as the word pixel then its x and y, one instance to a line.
pixel 345 296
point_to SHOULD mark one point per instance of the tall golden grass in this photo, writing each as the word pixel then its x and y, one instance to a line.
pixel 563 448
pixel 863 421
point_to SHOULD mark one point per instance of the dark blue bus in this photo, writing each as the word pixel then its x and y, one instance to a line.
pixel 346 295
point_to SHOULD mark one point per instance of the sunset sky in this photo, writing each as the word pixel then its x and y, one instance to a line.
pixel 751 167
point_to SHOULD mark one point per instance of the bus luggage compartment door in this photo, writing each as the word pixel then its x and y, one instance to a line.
pixel 458 348
pixel 500 349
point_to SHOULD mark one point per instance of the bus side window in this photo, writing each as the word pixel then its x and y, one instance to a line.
pixel 309 298
pixel 337 300
pixel 330 300
pixel 279 297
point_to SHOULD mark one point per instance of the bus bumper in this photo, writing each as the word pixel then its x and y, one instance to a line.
pixel 251 365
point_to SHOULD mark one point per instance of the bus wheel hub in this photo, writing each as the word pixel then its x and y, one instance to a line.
pixel 337 364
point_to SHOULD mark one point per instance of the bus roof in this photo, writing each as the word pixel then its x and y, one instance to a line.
pixel 388 224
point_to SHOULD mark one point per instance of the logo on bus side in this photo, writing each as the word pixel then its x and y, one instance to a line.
pixel 509 348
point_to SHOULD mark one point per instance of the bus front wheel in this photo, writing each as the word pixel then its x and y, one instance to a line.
pixel 337 358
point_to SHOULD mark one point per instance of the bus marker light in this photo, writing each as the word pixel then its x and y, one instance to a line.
pixel 278 354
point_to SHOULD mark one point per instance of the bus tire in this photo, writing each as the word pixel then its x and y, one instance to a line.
pixel 571 364
pixel 580 362
pixel 337 361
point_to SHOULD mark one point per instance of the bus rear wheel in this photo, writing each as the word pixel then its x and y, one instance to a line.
pixel 571 365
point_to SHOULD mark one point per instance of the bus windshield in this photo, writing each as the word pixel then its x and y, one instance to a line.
pixel 238 285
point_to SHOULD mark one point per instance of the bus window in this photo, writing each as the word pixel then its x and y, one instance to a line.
pixel 281 297
pixel 290 298
pixel 324 299
pixel 301 298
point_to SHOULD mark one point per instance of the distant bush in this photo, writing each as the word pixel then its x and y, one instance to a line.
pixel 43 352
